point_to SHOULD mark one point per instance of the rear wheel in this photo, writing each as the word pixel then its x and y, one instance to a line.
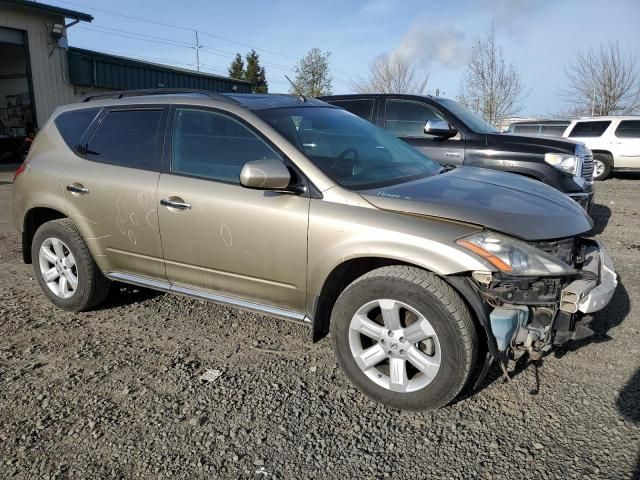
pixel 602 164
pixel 65 269
pixel 404 337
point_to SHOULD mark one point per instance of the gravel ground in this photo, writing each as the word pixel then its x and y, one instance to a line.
pixel 115 393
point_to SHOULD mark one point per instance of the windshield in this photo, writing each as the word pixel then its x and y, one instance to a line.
pixel 473 121
pixel 352 151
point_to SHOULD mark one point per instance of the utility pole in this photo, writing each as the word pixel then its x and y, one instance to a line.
pixel 198 46
pixel 593 103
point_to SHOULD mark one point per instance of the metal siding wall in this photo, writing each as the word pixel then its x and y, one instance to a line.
pixel 120 73
pixel 51 87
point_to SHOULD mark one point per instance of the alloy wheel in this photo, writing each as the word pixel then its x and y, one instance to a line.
pixel 598 168
pixel 58 268
pixel 394 345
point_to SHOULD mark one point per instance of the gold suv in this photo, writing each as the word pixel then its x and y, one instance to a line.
pixel 289 206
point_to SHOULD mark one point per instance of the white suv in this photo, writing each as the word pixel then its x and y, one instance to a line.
pixel 614 141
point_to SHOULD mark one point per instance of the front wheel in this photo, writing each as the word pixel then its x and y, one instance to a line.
pixel 404 338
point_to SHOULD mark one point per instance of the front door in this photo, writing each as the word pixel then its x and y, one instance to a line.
pixel 406 119
pixel 218 236
pixel 110 191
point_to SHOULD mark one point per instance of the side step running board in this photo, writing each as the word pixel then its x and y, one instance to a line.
pixel 212 297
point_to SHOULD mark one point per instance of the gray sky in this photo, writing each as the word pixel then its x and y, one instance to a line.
pixel 540 37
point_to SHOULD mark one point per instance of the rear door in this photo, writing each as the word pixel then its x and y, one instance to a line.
pixel 226 239
pixel 406 120
pixel 110 189
pixel 627 136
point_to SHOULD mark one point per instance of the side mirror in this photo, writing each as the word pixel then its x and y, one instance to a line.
pixel 440 128
pixel 265 175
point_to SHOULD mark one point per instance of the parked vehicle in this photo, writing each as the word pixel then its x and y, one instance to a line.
pixel 614 141
pixel 423 275
pixel 539 128
pixel 452 135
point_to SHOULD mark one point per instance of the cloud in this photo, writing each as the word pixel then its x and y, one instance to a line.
pixel 515 16
pixel 427 45
pixel 378 8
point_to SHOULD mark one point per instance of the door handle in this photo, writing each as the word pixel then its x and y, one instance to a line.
pixel 77 188
pixel 167 202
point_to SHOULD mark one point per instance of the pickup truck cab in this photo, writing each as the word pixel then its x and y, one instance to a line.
pixel 450 134
pixel 614 141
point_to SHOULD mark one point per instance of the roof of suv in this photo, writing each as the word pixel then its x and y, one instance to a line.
pixel 608 118
pixel 255 101
pixel 363 96
pixel 250 101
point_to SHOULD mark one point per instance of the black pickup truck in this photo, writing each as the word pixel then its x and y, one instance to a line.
pixel 447 132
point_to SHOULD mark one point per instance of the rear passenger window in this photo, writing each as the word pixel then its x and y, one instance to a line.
pixel 212 145
pixel 362 108
pixel 589 129
pixel 407 119
pixel 628 129
pixel 130 138
pixel 72 125
pixel 526 129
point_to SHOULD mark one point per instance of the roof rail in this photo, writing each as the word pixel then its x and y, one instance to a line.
pixel 117 94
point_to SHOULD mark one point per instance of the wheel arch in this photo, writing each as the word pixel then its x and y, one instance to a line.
pixel 604 152
pixel 33 219
pixel 346 272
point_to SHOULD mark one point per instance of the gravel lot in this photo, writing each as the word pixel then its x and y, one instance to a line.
pixel 115 393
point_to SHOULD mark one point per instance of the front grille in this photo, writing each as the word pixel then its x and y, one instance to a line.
pixel 564 249
pixel 587 167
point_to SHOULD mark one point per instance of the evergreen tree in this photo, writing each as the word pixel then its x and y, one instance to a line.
pixel 312 74
pixel 236 70
pixel 255 74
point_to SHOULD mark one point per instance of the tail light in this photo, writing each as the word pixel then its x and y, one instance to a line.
pixel 20 170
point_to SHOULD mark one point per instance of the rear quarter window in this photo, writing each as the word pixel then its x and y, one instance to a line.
pixel 589 129
pixel 129 138
pixel 361 107
pixel 72 125
pixel 628 129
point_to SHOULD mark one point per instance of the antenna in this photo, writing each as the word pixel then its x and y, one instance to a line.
pixel 297 89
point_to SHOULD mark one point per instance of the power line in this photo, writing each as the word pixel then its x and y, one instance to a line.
pixel 132 37
pixel 93 25
pixel 195 31
pixel 140 19
pixel 158 40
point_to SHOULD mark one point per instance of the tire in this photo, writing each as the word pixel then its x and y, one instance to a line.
pixel 420 296
pixel 92 286
pixel 606 161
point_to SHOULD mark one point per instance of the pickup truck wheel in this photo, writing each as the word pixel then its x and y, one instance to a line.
pixel 404 338
pixel 602 164
pixel 65 269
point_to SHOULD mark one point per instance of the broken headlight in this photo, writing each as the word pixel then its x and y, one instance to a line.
pixel 512 256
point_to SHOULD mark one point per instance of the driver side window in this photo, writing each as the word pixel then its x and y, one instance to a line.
pixel 405 118
pixel 214 146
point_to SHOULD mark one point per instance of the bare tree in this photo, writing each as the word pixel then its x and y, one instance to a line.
pixel 392 73
pixel 490 86
pixel 603 82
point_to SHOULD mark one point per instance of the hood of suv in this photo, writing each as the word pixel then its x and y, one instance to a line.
pixel 531 144
pixel 499 201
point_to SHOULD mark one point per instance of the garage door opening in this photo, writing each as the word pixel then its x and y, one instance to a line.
pixel 17 115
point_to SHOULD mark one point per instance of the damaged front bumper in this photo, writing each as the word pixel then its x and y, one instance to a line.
pixel 533 314
pixel 589 296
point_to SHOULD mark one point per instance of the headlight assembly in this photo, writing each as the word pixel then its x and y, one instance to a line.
pixel 514 257
pixel 565 162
